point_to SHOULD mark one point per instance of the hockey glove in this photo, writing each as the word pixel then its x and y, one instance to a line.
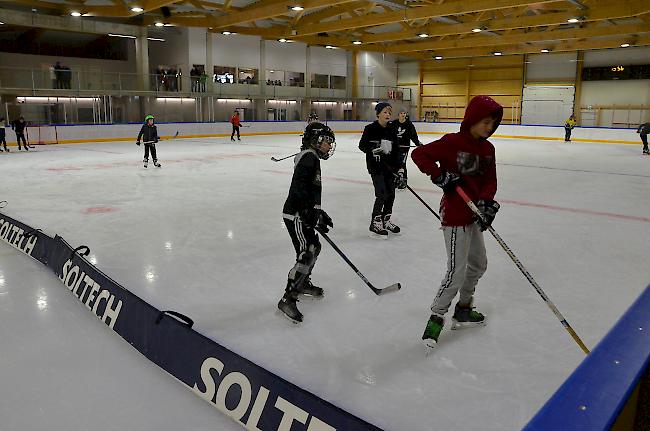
pixel 324 221
pixel 137 142
pixel 309 216
pixel 488 209
pixel 447 181
pixel 400 181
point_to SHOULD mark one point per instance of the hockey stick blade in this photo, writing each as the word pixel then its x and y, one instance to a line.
pixel 392 288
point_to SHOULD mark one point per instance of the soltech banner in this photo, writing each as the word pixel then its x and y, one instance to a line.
pixel 255 398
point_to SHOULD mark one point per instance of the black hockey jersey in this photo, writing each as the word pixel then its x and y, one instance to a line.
pixel 305 190
pixel 19 126
pixel 644 129
pixel 406 133
pixel 373 133
pixel 149 133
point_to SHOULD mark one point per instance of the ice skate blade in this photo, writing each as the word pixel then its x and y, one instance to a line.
pixel 394 233
pixel 311 297
pixel 377 236
pixel 294 321
pixel 463 325
pixel 429 346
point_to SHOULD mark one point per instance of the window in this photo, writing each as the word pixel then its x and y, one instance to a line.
pixel 247 76
pixel 224 74
pixel 295 79
pixel 319 81
pixel 337 82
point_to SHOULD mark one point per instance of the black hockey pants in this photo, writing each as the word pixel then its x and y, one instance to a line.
pixel 384 193
pixel 305 242
pixel 152 148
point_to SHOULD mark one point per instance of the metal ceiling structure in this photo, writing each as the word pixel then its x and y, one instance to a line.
pixel 420 29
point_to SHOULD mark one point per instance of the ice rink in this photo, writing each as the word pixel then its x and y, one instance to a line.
pixel 204 236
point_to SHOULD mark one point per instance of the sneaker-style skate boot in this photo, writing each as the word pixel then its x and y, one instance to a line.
pixel 309 290
pixel 287 306
pixel 377 228
pixel 466 317
pixel 145 162
pixel 390 226
pixel 432 331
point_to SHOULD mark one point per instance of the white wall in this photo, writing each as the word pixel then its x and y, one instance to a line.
pixel 618 56
pixel 551 66
pixel 76 64
pixel 197 45
pixel 236 50
pixel 628 92
pixel 408 75
pixel 172 52
pixel 285 56
pixel 378 68
pixel 328 61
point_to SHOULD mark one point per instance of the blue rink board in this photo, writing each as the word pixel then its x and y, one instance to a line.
pixel 594 395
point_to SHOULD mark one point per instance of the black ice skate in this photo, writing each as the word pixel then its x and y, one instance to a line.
pixel 376 228
pixel 145 162
pixel 309 290
pixel 287 306
pixel 646 152
pixel 156 164
pixel 390 226
pixel 466 317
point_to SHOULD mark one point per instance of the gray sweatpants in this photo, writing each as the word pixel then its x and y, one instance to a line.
pixel 466 263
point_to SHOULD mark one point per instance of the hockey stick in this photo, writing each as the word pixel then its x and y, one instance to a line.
pixel 392 288
pixel 415 194
pixel 523 270
pixel 155 142
pixel 284 158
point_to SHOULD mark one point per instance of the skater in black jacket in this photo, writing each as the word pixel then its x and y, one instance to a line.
pixel 150 134
pixel 19 126
pixel 643 131
pixel 406 134
pixel 302 214
pixel 379 142
pixel 3 139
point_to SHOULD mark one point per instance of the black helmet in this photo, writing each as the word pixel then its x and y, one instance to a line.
pixel 312 117
pixel 315 134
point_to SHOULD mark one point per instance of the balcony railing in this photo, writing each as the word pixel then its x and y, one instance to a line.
pixel 100 82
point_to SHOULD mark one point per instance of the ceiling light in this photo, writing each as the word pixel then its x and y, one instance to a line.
pixel 137 9
pixel 226 32
pixel 497 53
pixel 573 20
pixel 283 40
pixel 121 35
pixel 168 25
pixel 330 47
pixel 159 24
pixel 625 45
pixel 423 35
pixel 545 50
pixel 477 30
pixel 2 23
pixel 157 39
pixel 85 14
pixel 356 42
pixel 75 13
pixel 297 8
pixel 438 57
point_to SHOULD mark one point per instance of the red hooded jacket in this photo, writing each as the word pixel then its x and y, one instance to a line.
pixel 472 159
pixel 235 120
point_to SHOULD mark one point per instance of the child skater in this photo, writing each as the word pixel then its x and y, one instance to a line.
pixel 465 158
pixel 302 214
pixel 150 134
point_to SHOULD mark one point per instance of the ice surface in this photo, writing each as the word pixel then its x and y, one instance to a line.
pixel 204 236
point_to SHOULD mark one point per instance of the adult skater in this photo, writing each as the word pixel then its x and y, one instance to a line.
pixel 302 213
pixel 149 133
pixel 3 138
pixel 568 127
pixel 466 158
pixel 379 142
pixel 19 126
pixel 643 131
pixel 236 123
pixel 406 134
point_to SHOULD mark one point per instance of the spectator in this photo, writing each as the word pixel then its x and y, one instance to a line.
pixel 203 80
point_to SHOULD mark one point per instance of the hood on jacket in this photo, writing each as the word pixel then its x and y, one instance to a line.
pixel 478 108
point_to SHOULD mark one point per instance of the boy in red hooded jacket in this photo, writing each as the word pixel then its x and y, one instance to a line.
pixel 467 159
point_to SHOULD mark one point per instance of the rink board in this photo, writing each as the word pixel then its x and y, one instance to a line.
pixel 606 389
pixel 252 396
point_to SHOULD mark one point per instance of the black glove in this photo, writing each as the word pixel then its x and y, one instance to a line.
pixel 323 221
pixel 155 141
pixel 309 216
pixel 488 209
pixel 137 142
pixel 447 181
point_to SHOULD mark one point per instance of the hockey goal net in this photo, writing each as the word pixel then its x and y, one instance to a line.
pixel 42 135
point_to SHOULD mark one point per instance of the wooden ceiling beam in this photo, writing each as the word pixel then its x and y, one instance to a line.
pixel 514 39
pixel 270 11
pixel 580 45
pixel 605 10
pixel 450 8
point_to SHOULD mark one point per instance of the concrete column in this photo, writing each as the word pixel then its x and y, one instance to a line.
pixel 262 71
pixel 306 107
pixel 209 60
pixel 142 59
